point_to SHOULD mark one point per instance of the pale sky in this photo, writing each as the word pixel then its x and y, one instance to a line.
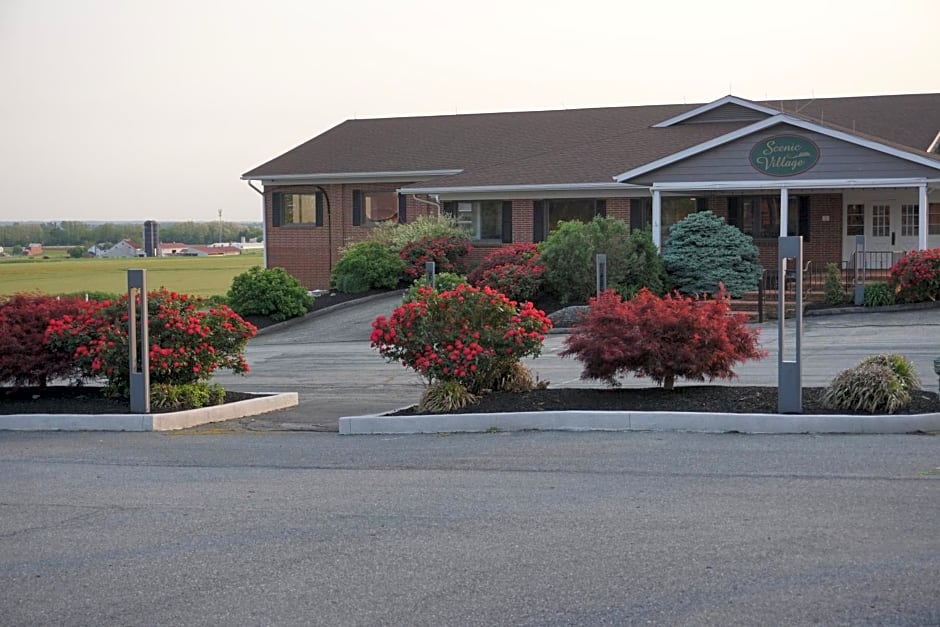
pixel 133 110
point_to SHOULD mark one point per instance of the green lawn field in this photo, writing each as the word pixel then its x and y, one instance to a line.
pixel 200 276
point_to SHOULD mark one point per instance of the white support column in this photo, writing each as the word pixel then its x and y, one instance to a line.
pixel 922 212
pixel 784 210
pixel 657 220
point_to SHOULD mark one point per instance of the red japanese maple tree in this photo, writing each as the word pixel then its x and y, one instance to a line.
pixel 661 338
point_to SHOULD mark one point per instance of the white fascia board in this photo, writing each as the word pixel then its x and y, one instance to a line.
pixel 741 102
pixel 935 144
pixel 524 189
pixel 779 184
pixel 774 121
pixel 351 177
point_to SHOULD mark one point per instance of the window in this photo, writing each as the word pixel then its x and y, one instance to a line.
pixel 306 209
pixel 548 213
pixel 933 219
pixel 855 220
pixel 580 209
pixel 371 208
pixel 909 225
pixel 483 219
pixel 759 216
pixel 880 220
pixel 673 209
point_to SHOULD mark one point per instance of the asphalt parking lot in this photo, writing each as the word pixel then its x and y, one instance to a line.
pixel 328 361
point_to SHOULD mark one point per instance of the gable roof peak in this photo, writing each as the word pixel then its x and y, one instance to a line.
pixel 730 99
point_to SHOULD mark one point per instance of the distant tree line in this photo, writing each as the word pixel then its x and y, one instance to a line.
pixel 68 233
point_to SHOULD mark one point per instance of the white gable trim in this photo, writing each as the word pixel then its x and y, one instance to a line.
pixel 935 144
pixel 747 104
pixel 774 121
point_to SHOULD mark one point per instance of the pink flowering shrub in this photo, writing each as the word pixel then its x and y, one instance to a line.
pixel 448 252
pixel 467 334
pixel 916 276
pixel 188 341
pixel 514 270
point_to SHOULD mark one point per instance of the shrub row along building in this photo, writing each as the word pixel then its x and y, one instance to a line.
pixel 828 169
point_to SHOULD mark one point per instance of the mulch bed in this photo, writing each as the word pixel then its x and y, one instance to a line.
pixel 75 400
pixel 693 398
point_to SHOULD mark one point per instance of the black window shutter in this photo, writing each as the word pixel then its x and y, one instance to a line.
pixel 804 218
pixel 402 208
pixel 507 221
pixel 538 221
pixel 357 207
pixel 318 218
pixel 701 203
pixel 734 211
pixel 637 205
pixel 600 207
pixel 277 208
pixel 450 208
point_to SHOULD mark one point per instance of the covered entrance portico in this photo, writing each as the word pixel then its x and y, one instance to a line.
pixel 892 214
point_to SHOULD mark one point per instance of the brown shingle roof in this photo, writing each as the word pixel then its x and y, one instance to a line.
pixel 569 146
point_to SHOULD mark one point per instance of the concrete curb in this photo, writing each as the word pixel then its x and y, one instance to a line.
pixel 149 422
pixel 638 421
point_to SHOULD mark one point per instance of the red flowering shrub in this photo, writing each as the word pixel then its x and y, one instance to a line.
pixel 188 341
pixel 467 334
pixel 514 270
pixel 661 338
pixel 449 253
pixel 916 276
pixel 24 359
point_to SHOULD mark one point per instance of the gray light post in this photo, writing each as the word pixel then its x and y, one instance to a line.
pixel 138 343
pixel 789 372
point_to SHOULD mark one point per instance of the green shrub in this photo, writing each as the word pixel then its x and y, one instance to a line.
pixel 833 289
pixel 186 396
pixel 570 251
pixel 871 387
pixel 268 292
pixel 398 236
pixel 445 281
pixel 76 252
pixel 702 251
pixel 878 295
pixel 367 265
pixel 446 395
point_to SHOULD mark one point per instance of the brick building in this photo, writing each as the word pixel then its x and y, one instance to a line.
pixel 828 169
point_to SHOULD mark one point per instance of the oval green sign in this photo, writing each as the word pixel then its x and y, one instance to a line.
pixel 784 155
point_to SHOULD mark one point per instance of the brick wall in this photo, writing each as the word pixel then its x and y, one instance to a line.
pixel 307 252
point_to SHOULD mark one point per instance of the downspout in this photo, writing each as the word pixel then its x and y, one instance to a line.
pixel 264 225
pixel 329 228
pixel 434 203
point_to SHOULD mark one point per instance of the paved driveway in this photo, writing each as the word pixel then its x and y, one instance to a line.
pixel 328 361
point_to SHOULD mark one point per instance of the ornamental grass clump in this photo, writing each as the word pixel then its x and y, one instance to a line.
pixel 188 341
pixel 662 338
pixel 881 384
pixel 469 335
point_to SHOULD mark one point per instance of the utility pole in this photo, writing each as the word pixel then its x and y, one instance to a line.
pixel 220 227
